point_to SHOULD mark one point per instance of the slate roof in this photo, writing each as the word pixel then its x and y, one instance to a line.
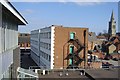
pixel 92 36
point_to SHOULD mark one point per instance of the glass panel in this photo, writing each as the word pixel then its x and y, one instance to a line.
pixel 71 52
pixel 72 35
pixel 71 49
pixel 70 61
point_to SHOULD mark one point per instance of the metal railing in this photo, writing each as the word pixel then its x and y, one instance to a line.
pixel 25 73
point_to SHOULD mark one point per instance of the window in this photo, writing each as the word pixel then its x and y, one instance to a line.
pixel 49 58
pixel 71 49
pixel 72 35
pixel 49 35
pixel 21 45
pixel 25 34
pixel 27 45
pixel 70 61
pixel 46 56
pixel 49 46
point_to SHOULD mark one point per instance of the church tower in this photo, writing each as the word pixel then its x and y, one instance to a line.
pixel 112 26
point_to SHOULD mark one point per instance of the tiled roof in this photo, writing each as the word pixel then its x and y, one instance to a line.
pixel 92 36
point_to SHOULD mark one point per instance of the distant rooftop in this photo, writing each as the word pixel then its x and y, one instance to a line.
pixel 60 74
pixel 101 37
pixel 92 36
pixel 112 74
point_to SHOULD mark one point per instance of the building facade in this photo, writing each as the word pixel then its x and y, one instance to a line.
pixel 59 47
pixel 10 18
pixel 34 42
pixel 24 42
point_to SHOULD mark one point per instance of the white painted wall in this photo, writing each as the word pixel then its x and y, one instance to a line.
pixel 52 46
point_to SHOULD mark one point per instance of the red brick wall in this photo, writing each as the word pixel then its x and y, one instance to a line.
pixel 62 35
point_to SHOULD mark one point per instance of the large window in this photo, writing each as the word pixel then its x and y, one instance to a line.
pixel 45 45
pixel 45 55
pixel 49 58
pixel 72 35
pixel 71 50
pixel 46 35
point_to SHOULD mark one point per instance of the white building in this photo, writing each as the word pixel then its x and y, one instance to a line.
pixel 34 42
pixel 41 47
pixel 10 18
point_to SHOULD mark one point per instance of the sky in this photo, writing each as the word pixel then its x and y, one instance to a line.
pixel 92 15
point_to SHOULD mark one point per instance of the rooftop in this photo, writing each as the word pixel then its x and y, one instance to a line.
pixel 64 74
pixel 103 73
pixel 12 10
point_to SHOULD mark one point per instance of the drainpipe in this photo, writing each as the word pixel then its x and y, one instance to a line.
pixel 84 48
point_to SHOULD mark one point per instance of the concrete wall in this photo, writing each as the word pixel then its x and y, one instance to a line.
pixel 16 61
pixel 41 46
pixel 34 42
pixel 8 42
pixel 0 41
pixel 45 47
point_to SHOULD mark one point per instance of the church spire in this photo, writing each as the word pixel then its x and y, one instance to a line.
pixel 112 16
pixel 112 25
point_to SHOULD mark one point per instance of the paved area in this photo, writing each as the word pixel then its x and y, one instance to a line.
pixel 26 61
pixel 101 73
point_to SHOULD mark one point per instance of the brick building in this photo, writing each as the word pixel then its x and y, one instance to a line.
pixel 60 47
pixel 24 42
